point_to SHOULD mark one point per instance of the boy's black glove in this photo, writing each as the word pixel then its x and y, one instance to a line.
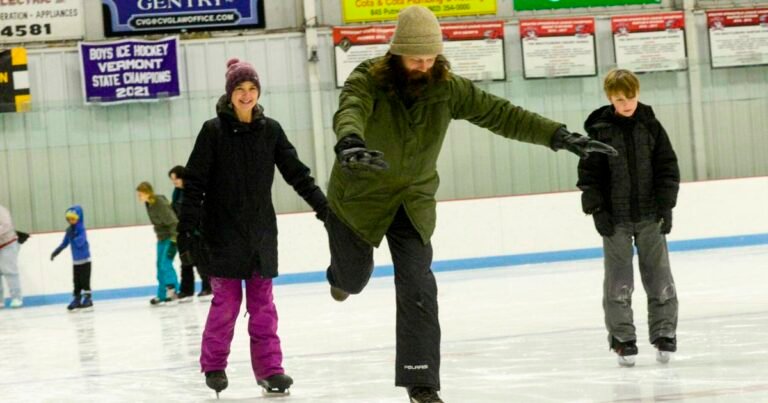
pixel 55 253
pixel 664 218
pixel 184 244
pixel 352 155
pixel 21 237
pixel 192 248
pixel 604 223
pixel 322 213
pixel 579 144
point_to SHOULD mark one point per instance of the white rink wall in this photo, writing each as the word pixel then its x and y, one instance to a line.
pixel 124 258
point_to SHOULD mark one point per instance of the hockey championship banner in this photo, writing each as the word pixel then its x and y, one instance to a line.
pixel 558 47
pixel 525 5
pixel 474 49
pixel 140 17
pixel 355 11
pixel 650 42
pixel 129 70
pixel 738 37
pixel 34 21
pixel 14 81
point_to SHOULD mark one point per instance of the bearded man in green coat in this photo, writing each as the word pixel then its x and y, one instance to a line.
pixel 392 119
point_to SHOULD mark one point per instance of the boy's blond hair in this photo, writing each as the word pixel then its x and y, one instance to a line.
pixel 146 188
pixel 621 82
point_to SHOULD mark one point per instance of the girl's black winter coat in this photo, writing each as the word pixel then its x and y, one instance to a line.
pixel 228 192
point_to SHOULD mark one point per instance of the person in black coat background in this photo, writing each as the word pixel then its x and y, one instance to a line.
pixel 229 227
pixel 631 196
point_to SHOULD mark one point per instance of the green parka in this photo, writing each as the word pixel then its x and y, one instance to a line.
pixel 411 139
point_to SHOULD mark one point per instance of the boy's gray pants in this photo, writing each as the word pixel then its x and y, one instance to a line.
pixel 9 269
pixel 656 276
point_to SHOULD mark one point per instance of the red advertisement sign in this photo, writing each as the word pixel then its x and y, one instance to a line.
pixel 456 31
pixel 650 42
pixel 647 22
pixel 557 27
pixel 734 18
pixel 558 47
pixel 475 49
pixel 738 37
pixel 363 35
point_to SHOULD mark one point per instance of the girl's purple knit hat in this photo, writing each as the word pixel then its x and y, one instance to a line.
pixel 237 72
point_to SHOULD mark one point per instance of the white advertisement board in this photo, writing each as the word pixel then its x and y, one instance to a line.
pixel 35 21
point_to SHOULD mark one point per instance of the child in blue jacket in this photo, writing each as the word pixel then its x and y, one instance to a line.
pixel 81 258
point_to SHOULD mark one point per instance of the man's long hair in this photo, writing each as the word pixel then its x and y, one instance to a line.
pixel 389 73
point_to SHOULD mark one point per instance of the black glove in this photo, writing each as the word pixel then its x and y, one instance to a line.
pixel 184 242
pixel 664 218
pixel 21 237
pixel 322 213
pixel 55 253
pixel 579 144
pixel 352 155
pixel 193 249
pixel 171 250
pixel 604 223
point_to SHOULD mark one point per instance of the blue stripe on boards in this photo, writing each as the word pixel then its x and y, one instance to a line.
pixel 439 266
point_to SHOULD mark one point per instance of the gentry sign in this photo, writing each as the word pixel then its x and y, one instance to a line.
pixel 139 17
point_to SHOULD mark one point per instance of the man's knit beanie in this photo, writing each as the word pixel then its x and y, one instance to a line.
pixel 417 33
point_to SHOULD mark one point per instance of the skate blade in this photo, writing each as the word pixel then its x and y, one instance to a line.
pixel 275 393
pixel 185 300
pixel 89 309
pixel 626 360
pixel 663 356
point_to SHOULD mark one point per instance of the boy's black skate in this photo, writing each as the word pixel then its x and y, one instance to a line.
pixel 627 351
pixel 75 304
pixel 423 394
pixel 338 294
pixel 276 385
pixel 665 346
pixel 216 380
pixel 87 304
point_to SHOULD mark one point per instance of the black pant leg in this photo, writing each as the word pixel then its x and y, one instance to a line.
pixel 351 257
pixel 418 329
pixel 187 280
pixel 76 287
pixel 206 282
pixel 82 276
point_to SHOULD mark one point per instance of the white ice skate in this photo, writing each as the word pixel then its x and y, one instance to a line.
pixel 626 351
pixel 665 346
pixel 663 356
pixel 626 360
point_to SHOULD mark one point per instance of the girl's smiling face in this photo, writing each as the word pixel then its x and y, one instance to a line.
pixel 244 97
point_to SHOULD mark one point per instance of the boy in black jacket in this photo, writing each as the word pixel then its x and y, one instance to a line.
pixel 631 197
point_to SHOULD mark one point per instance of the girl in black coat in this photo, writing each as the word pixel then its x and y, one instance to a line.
pixel 228 224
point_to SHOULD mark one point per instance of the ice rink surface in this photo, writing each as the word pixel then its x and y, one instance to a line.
pixel 518 334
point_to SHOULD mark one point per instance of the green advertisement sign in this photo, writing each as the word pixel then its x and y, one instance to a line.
pixel 525 5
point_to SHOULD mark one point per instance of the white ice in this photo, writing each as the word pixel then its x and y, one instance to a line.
pixel 517 334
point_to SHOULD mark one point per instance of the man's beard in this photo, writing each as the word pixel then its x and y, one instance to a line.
pixel 415 83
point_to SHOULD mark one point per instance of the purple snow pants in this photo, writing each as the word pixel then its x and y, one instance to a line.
pixel 266 356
